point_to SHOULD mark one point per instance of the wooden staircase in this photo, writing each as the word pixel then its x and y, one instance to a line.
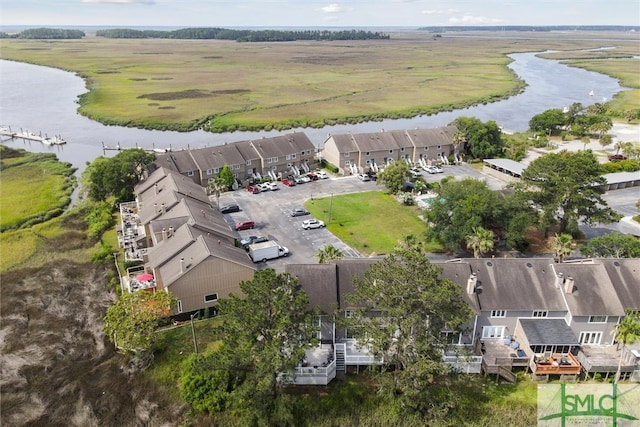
pixel 341 349
pixel 501 371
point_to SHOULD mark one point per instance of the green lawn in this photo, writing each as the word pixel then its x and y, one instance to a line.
pixel 372 222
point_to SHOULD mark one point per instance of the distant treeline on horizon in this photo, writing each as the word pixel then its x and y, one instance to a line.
pixel 202 33
pixel 542 28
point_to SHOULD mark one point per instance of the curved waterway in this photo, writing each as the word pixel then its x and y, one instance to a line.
pixel 42 99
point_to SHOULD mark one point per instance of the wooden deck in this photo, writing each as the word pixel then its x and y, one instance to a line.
pixel 498 354
pixel 602 358
pixel 557 364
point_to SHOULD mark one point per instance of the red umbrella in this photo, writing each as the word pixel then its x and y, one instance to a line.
pixel 145 277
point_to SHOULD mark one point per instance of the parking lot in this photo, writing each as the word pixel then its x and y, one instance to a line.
pixel 271 212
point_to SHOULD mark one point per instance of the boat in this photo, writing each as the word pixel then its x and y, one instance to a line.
pixel 56 140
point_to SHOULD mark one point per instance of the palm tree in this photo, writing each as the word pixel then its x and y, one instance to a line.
pixel 480 242
pixel 627 332
pixel 329 253
pixel 562 244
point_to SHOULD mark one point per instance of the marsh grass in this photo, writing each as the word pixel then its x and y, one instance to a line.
pixel 225 86
pixel 35 187
pixel 372 222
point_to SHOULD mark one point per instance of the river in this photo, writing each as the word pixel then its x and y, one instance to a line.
pixel 42 99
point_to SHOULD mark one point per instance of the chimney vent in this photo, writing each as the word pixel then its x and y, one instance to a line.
pixel 471 283
pixel 155 188
pixel 170 233
pixel 559 280
pixel 181 265
pixel 164 233
pixel 568 285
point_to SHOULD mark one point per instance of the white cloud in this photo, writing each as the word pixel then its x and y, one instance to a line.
pixel 439 11
pixel 474 20
pixel 119 1
pixel 332 8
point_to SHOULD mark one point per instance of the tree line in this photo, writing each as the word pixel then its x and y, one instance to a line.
pixel 44 33
pixel 242 35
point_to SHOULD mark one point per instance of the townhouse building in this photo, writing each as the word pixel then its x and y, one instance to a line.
pixel 359 153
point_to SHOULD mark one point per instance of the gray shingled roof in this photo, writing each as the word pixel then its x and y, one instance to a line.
pixel 432 137
pixel 516 284
pixel 548 332
pixel 179 161
pixel 378 141
pixel 593 294
pixel 319 281
pixel 625 278
pixel 217 157
pixel 344 143
pixel 280 146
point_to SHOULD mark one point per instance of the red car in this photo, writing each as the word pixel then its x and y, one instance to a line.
pixel 245 225
pixel 288 182
pixel 253 189
pixel 615 157
pixel 313 176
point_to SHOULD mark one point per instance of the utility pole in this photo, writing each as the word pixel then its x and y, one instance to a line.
pixel 193 332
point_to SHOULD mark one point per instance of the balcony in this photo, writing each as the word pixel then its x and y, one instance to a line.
pixel 317 368
pixel 556 364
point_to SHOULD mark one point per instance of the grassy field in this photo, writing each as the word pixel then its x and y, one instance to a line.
pixel 361 220
pixel 223 86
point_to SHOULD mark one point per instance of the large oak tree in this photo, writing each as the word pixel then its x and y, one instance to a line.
pixel 264 336
pixel 403 305
pixel 566 188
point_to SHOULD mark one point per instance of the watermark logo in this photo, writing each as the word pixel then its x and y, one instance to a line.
pixel 569 405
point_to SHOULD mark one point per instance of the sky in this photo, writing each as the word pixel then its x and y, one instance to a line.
pixel 314 13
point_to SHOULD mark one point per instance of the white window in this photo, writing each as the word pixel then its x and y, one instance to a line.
pixel 275 160
pixel 288 157
pixel 540 313
pixel 190 173
pixel 590 337
pixel 367 153
pixel 597 319
pixel 179 306
pixel 209 171
pixel 270 160
pixel 390 151
pixel 236 167
pixel 426 148
pixel 492 332
pixel 348 314
pixel 211 180
pixel 346 154
pixel 216 170
pixel 211 298
pixel 248 163
pixel 347 163
pixel 402 149
pixel 293 156
pixel 498 313
pixel 439 146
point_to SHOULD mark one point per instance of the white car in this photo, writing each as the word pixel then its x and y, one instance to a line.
pixel 433 169
pixel 415 172
pixel 312 223
pixel 364 177
pixel 322 175
pixel 264 186
pixel 273 186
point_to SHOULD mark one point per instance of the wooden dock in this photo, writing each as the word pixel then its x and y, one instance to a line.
pixel 30 136
pixel 118 147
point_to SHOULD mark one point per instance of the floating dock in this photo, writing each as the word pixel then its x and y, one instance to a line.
pixel 30 136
